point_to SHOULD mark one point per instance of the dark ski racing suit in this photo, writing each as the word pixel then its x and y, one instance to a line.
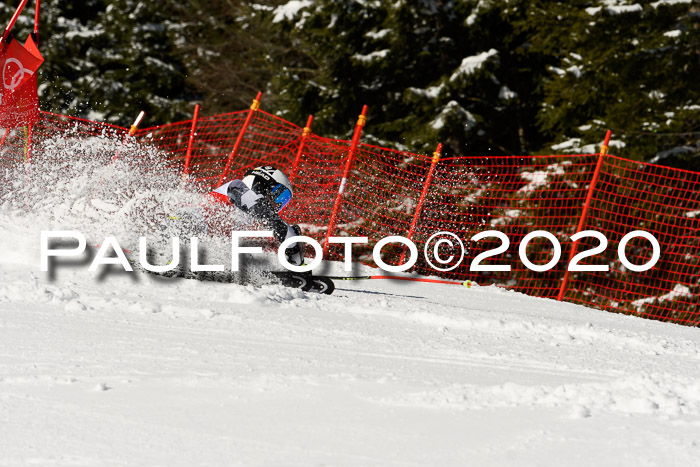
pixel 261 209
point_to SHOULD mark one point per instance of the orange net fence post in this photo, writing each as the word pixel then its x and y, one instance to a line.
pixel 28 147
pixel 584 214
pixel 421 201
pixel 362 119
pixel 132 131
pixel 380 200
pixel 316 183
pixel 665 202
pixel 304 136
pixel 36 20
pixel 4 137
pixel 13 20
pixel 190 141
pixel 253 108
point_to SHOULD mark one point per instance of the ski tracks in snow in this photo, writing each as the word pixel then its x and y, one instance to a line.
pixel 142 370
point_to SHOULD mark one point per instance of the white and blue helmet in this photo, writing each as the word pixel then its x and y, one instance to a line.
pixel 271 182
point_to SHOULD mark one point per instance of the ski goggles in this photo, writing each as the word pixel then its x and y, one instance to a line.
pixel 281 195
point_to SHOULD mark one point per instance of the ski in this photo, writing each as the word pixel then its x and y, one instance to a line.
pixel 467 283
pixel 304 281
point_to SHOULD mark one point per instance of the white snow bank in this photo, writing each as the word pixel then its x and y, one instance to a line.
pixel 508 216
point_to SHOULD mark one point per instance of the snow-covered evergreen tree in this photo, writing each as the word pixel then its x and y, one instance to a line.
pixel 481 76
pixel 631 67
pixel 231 52
pixel 455 72
pixel 107 60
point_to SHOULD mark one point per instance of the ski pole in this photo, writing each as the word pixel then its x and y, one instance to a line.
pixel 466 283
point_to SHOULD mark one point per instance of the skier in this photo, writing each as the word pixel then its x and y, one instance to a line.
pixel 263 193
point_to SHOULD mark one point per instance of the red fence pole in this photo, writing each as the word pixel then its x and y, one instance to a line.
pixel 4 137
pixel 348 165
pixel 132 132
pixel 584 213
pixel 304 135
pixel 423 195
pixel 188 155
pixel 253 108
pixel 13 20
pixel 28 148
pixel 36 21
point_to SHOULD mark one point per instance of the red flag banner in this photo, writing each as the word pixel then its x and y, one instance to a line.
pixel 19 103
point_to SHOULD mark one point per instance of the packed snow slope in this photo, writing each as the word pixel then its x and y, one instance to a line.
pixel 130 369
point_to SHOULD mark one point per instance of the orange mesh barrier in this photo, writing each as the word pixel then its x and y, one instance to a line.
pixel 665 202
pixel 515 195
pixel 24 144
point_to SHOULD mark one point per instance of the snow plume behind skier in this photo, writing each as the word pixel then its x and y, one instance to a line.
pixel 73 183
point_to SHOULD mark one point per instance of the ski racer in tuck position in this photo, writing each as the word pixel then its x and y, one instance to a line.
pixel 262 194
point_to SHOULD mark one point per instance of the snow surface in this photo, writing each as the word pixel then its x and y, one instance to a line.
pixel 122 368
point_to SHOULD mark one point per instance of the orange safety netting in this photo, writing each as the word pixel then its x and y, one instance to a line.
pixel 467 195
pixel 18 145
